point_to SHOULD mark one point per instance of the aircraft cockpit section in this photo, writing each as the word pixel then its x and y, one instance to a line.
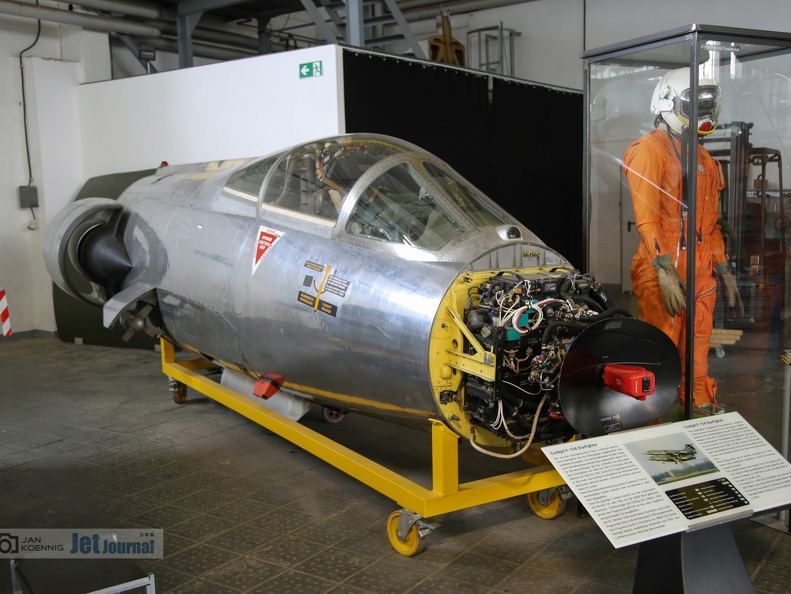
pixel 389 196
pixel 309 182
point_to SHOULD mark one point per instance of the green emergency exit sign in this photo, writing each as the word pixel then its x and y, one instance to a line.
pixel 309 69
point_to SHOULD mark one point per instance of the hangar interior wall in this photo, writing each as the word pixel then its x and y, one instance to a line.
pixel 83 56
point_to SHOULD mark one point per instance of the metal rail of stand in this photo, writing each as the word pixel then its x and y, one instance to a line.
pixel 447 494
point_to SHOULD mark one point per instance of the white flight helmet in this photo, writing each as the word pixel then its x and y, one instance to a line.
pixel 671 100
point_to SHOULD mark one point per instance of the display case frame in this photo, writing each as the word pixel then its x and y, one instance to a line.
pixel 751 66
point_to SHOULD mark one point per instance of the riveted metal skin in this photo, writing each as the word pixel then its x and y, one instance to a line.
pixel 195 242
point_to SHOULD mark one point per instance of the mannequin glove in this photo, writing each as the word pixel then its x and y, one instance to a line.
pixel 732 296
pixel 671 285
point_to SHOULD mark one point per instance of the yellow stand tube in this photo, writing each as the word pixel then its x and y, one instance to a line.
pixel 447 494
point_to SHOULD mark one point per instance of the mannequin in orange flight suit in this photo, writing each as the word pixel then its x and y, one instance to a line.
pixel 653 169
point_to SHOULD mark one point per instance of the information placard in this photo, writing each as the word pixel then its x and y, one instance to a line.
pixel 651 482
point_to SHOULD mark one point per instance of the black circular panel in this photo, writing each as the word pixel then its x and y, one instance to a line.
pixel 593 409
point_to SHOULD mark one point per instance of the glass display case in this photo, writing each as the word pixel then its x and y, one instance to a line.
pixel 715 102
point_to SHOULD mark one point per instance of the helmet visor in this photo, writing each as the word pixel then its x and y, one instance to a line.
pixel 708 102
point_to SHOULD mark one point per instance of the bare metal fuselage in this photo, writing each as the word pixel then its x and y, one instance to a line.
pixel 367 275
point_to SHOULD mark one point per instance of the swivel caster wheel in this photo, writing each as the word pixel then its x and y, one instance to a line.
pixel 547 505
pixel 178 391
pixel 405 535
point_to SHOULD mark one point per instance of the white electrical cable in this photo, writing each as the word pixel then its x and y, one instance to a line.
pixel 522 389
pixel 515 454
pixel 539 317
pixel 500 296
pixel 499 420
pixel 508 431
pixel 548 301
pixel 515 320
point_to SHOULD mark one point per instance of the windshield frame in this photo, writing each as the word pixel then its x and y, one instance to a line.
pixel 486 204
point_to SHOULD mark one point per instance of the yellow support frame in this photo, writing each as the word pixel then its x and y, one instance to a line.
pixel 447 494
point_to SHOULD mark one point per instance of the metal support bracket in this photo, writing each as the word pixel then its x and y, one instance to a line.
pixel 407 519
pixel 544 496
pixel 336 18
pixel 481 364
pixel 132 46
pixel 264 44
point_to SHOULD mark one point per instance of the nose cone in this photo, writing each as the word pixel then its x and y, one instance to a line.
pixel 103 257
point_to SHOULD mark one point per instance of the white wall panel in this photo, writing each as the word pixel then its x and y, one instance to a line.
pixel 233 109
pixel 55 138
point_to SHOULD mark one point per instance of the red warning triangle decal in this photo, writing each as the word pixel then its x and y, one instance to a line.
pixel 266 239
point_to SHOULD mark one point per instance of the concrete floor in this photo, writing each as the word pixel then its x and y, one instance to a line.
pixel 90 438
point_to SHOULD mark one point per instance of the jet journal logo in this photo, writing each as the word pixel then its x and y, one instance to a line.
pixel 80 543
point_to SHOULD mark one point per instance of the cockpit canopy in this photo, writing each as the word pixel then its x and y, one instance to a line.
pixel 378 187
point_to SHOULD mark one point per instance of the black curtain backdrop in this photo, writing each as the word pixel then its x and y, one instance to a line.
pixel 521 144
pixel 537 162
pixel 440 109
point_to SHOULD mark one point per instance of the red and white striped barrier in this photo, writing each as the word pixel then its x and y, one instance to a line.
pixel 4 316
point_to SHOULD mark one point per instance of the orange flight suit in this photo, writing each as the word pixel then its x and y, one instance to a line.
pixel 653 168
